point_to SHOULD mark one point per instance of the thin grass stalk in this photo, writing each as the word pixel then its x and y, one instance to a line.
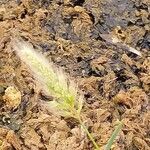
pixel 89 134
pixel 113 136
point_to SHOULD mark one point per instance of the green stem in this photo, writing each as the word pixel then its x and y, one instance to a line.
pixel 89 135
pixel 113 136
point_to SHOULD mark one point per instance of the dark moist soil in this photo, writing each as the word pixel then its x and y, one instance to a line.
pixel 116 83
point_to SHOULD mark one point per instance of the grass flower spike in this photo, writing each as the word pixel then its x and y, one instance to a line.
pixel 68 101
pixel 53 80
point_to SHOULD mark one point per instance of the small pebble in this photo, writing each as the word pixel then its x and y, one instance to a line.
pixel 12 97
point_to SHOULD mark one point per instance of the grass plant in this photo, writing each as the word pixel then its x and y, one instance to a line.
pixel 68 101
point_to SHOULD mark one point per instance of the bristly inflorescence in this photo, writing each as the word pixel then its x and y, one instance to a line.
pixel 53 80
pixel 68 101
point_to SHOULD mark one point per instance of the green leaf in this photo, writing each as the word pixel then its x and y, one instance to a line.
pixel 114 135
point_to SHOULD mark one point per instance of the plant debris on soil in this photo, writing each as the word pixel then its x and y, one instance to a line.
pixel 115 82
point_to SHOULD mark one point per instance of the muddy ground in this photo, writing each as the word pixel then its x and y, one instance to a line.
pixel 115 82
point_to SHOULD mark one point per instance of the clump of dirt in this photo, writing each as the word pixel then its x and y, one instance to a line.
pixel 12 97
pixel 116 83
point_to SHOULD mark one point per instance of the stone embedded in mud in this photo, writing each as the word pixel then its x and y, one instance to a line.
pixel 12 97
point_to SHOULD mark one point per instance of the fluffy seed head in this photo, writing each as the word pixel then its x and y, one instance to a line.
pixel 52 79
